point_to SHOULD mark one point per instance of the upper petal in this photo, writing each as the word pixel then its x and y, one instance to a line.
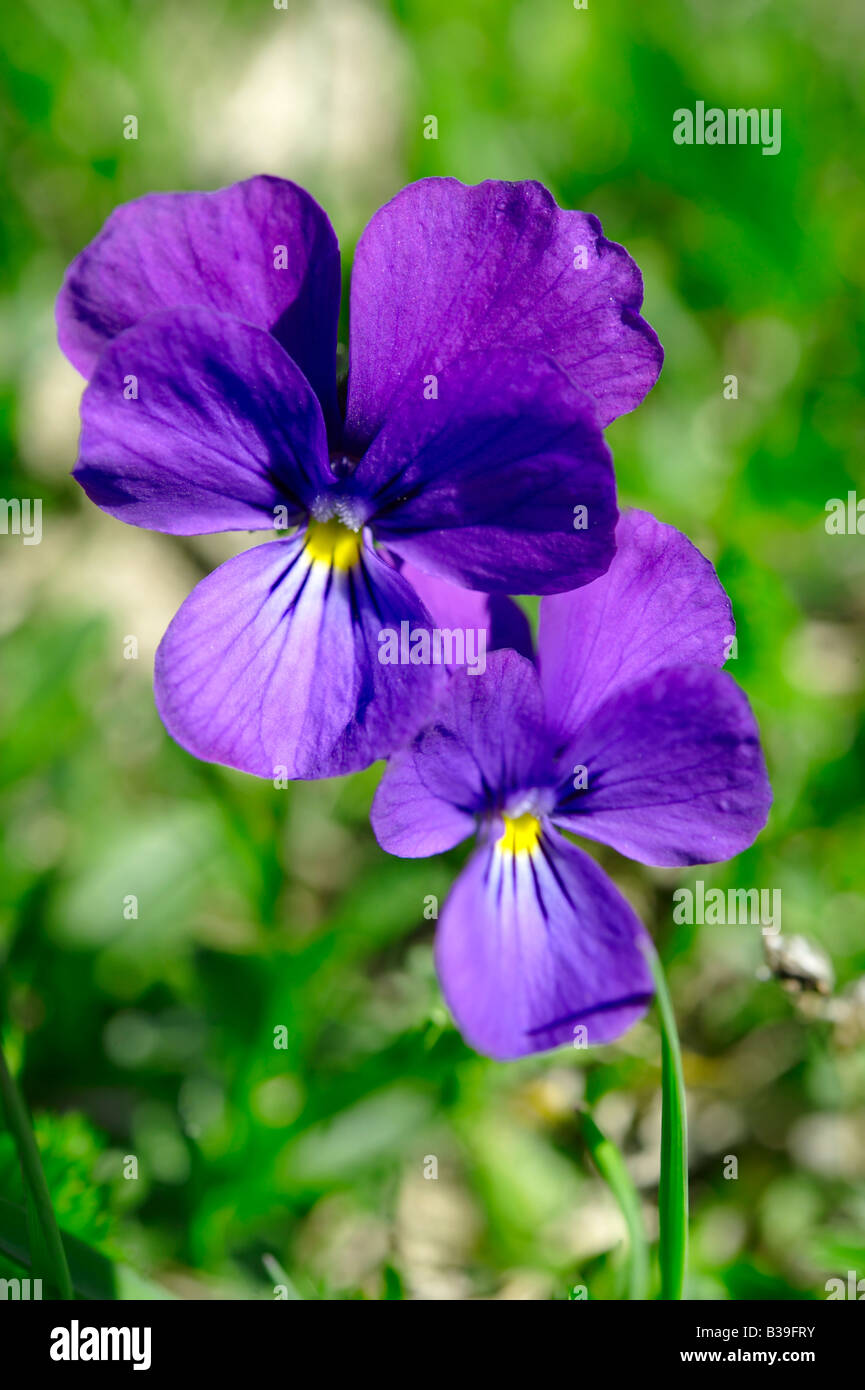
pixel 262 250
pixel 659 604
pixel 487 741
pixel 533 945
pixel 197 422
pixel 271 665
pixel 445 268
pixel 674 769
pixel 479 484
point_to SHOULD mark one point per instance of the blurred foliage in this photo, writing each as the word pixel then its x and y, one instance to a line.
pixel 262 910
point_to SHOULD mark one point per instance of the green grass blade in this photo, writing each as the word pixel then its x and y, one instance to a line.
pixel 673 1190
pixel 40 1260
pixel 94 1275
pixel 50 1246
pixel 611 1165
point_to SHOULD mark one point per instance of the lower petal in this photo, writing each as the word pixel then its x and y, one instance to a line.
pixel 272 663
pixel 536 944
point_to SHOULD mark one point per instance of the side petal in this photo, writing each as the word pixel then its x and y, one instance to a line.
pixel 271 665
pixel 480 484
pixel 659 604
pixel 487 741
pixel 262 250
pixel 197 422
pixel 468 610
pixel 447 268
pixel 533 945
pixel 675 771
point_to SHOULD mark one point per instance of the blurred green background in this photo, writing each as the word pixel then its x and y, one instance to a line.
pixel 261 909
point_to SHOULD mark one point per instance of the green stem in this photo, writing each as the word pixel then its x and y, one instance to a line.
pixel 34 1177
pixel 673 1189
pixel 612 1167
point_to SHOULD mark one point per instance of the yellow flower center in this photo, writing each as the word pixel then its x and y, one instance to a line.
pixel 333 544
pixel 521 833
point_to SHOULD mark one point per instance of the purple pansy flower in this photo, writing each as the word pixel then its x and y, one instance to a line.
pixel 625 732
pixel 493 335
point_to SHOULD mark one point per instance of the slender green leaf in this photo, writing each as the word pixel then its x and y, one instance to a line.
pixel 673 1191
pixel 93 1275
pixel 40 1260
pixel 50 1246
pixel 611 1165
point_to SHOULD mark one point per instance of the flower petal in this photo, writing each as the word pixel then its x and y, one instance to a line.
pixel 447 268
pixel 222 428
pixel 532 945
pixel 487 741
pixel 469 610
pixel 659 604
pixel 479 486
pixel 262 250
pixel 675 770
pixel 271 665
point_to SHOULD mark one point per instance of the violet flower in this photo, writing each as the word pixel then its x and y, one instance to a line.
pixel 625 733
pixel 493 335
